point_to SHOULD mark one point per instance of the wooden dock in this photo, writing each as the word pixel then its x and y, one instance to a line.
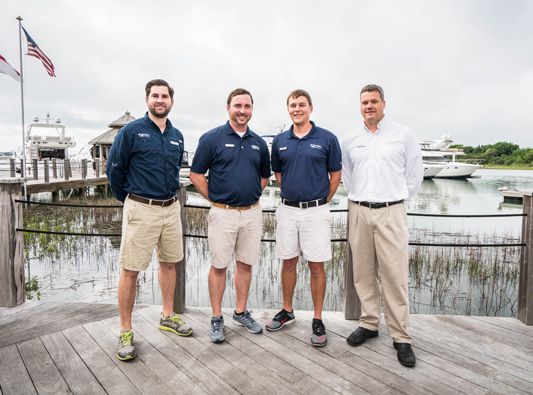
pixel 64 348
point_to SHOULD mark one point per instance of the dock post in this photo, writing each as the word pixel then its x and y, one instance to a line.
pixel 66 165
pixel 97 167
pixel 12 168
pixel 12 292
pixel 525 282
pixel 54 168
pixel 351 303
pixel 46 171
pixel 35 169
pixel 179 291
pixel 83 169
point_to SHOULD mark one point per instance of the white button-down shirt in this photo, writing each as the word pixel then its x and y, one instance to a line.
pixel 384 166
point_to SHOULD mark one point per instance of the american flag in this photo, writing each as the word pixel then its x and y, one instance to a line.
pixel 35 51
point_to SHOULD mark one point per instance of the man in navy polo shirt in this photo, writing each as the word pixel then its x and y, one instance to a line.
pixel 143 172
pixel 239 169
pixel 306 161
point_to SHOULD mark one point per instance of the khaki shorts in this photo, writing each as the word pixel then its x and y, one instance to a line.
pixel 234 231
pixel 147 227
pixel 307 229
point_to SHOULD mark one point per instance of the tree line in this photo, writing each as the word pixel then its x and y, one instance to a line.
pixel 500 154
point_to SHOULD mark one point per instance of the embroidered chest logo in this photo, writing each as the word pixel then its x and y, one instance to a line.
pixel 144 135
pixel 282 148
pixel 315 146
pixel 255 147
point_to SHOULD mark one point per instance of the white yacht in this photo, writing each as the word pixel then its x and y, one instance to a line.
pixel 46 139
pixel 431 170
pixel 436 152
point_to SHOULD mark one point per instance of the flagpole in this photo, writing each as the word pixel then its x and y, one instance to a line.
pixel 23 170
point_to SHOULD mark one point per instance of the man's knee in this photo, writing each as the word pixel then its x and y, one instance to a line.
pixel 290 264
pixel 243 266
pixel 167 265
pixel 130 274
pixel 316 268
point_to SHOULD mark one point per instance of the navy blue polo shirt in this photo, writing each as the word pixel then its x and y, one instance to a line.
pixel 304 163
pixel 145 162
pixel 236 165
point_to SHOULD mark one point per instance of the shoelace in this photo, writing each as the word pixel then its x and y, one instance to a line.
pixel 319 328
pixel 247 319
pixel 281 315
pixel 126 339
pixel 176 319
pixel 217 325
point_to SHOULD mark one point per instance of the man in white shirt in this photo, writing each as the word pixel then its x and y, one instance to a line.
pixel 382 171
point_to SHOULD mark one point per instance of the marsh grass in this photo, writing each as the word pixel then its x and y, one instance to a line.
pixel 442 280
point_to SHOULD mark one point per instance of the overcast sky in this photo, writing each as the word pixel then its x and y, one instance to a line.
pixel 465 67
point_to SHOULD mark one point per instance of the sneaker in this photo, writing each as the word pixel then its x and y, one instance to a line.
pixel 245 319
pixel 216 332
pixel 126 350
pixel 282 318
pixel 319 333
pixel 174 324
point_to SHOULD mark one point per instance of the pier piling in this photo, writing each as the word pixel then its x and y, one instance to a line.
pixel 12 292
pixel 525 285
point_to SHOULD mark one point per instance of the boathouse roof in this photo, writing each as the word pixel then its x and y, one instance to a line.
pixel 108 137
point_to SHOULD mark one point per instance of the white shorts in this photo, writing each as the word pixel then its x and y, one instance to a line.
pixel 234 231
pixel 308 230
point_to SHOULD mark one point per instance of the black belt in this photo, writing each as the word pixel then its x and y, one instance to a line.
pixel 312 203
pixel 153 202
pixel 378 205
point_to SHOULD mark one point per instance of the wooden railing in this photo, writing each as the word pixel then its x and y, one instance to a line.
pixel 12 257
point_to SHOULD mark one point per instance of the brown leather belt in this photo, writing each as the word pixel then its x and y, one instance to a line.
pixel 234 207
pixel 153 202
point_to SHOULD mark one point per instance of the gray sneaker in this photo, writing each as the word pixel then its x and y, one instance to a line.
pixel 216 332
pixel 245 319
pixel 126 350
pixel 174 324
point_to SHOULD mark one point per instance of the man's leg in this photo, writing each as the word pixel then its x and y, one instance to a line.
pixel 126 297
pixel 167 283
pixel 243 277
pixel 288 281
pixel 217 285
pixel 318 287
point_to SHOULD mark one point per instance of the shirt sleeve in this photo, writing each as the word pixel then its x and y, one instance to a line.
pixel 202 157
pixel 335 155
pixel 118 163
pixel 276 162
pixel 347 167
pixel 265 161
pixel 414 170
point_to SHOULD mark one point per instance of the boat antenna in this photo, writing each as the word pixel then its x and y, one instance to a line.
pixel 23 170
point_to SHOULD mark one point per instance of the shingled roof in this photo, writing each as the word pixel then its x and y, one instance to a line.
pixel 108 137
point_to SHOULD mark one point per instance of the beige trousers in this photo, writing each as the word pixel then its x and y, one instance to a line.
pixel 379 239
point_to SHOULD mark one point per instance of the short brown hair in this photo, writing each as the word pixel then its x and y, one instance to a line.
pixel 149 85
pixel 300 92
pixel 238 92
pixel 373 88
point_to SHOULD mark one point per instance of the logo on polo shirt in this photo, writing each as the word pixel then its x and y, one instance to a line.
pixel 230 145
pixel 256 147
pixel 282 148
pixel 315 146
pixel 144 135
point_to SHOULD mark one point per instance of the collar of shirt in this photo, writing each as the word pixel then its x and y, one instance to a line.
pixel 381 125
pixel 149 120
pixel 229 130
pixel 313 133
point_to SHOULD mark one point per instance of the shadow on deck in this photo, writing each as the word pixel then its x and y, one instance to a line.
pixel 70 348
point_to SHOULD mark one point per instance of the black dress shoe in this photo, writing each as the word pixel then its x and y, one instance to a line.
pixel 360 335
pixel 406 355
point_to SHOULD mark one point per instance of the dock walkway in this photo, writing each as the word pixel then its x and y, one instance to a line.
pixel 63 348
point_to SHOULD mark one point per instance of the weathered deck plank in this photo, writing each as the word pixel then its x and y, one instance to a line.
pixel 14 378
pixel 44 373
pixel 472 355
pixel 99 363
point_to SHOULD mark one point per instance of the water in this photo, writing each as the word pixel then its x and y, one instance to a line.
pixel 83 269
